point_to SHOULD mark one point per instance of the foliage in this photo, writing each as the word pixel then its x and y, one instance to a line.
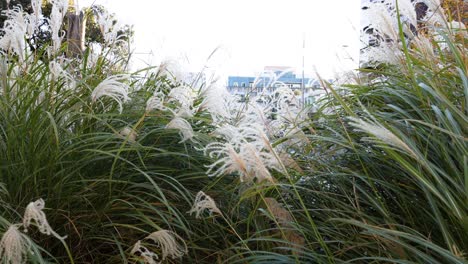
pixel 93 33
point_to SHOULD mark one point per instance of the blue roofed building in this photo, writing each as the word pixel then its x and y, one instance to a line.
pixel 270 79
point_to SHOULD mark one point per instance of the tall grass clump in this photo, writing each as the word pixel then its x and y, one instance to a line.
pixel 380 171
pixel 102 165
pixel 80 137
pixel 387 163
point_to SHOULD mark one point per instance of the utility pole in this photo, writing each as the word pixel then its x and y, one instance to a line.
pixel 303 56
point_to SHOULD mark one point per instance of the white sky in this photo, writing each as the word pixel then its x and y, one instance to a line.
pixel 250 34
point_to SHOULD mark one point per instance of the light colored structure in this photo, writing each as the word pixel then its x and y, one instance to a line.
pixel 272 78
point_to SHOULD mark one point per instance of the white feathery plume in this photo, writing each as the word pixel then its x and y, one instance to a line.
pixel 424 45
pixel 130 133
pixel 248 161
pixel 203 202
pixel 387 53
pixel 148 256
pixel 113 88
pixel 287 105
pixel 254 115
pixel 457 26
pixel 94 51
pixel 217 101
pixel 182 111
pixel 184 127
pixel 37 7
pixel 171 244
pixel 59 10
pixel 14 246
pixel 37 12
pixel 284 97
pixel 172 70
pixel 407 11
pixel 34 212
pixel 57 71
pixel 277 127
pixel 155 102
pixel 246 151
pixel 228 160
pixel 182 95
pixel 109 30
pixel 14 32
pixel 258 163
pixel 296 137
pixel 382 18
pixel 382 133
pixel 378 18
pixel 238 135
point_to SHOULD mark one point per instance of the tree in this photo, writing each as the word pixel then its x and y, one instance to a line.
pixel 81 28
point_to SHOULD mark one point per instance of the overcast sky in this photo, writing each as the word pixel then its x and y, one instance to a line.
pixel 250 34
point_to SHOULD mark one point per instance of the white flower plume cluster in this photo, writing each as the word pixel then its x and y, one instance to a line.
pixel 34 212
pixel 20 26
pixel 14 32
pixel 275 111
pixel 155 102
pixel 182 97
pixel 128 133
pixel 148 256
pixel 219 103
pixel 35 17
pixel 246 151
pixel 179 102
pixel 109 29
pixel 14 244
pixel 172 70
pixel 58 71
pixel 170 244
pixel 380 29
pixel 245 129
pixel 204 202
pixel 288 110
pixel 114 88
pixel 59 10
pixel 184 127
pixel 381 133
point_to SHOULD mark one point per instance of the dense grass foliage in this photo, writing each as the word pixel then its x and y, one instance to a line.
pixel 378 173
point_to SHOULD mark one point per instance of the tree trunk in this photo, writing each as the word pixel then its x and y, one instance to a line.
pixel 76 34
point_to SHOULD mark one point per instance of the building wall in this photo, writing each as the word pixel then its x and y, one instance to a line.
pixel 268 82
